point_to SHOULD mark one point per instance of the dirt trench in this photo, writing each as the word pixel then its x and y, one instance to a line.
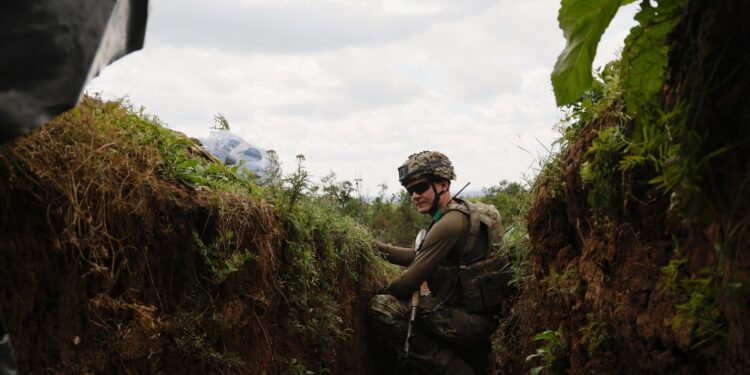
pixel 606 283
pixel 103 271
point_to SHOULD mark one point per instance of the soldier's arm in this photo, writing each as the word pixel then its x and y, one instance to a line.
pixel 403 256
pixel 439 241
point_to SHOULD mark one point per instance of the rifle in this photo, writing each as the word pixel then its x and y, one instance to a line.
pixel 414 301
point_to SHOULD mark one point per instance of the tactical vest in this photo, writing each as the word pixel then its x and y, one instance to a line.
pixel 481 276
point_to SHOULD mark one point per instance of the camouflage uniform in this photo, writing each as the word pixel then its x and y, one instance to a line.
pixel 443 322
pixel 435 334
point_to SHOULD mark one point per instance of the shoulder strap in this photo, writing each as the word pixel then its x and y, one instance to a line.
pixel 475 220
pixel 471 238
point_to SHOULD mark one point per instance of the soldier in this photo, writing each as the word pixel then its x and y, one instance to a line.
pixel 452 256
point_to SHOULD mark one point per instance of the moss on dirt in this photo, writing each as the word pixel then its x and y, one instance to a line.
pixel 651 211
pixel 127 248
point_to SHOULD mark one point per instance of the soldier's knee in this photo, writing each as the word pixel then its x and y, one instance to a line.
pixel 386 310
pixel 381 307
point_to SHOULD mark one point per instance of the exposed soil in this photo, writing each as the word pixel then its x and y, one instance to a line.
pixel 102 274
pixel 620 303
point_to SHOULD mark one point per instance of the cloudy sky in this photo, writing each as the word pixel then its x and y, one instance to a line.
pixel 358 85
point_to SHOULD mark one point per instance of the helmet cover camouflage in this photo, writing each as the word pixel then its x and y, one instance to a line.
pixel 431 163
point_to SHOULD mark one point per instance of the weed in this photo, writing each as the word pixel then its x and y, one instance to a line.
pixel 552 353
pixel 595 332
pixel 220 122
pixel 670 275
pixel 272 175
pixel 222 255
pixel 182 160
pixel 564 283
pixel 298 182
pixel 700 312
pixel 295 367
pixel 600 172
pixel 517 247
pixel 323 249
pixel 194 341
pixel 663 142
pixel 552 176
pixel 323 321
pixel 696 305
pixel 604 102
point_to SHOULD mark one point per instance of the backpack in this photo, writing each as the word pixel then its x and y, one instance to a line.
pixel 484 283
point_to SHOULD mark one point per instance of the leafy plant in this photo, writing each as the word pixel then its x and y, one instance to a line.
pixel 516 246
pixel 220 122
pixel 595 332
pixel 670 275
pixel 583 23
pixel 601 170
pixel 295 367
pixel 222 255
pixel 298 182
pixel 696 304
pixel 194 341
pixel 552 353
pixel 700 312
pixel 345 195
pixel 199 172
pixel 644 57
pixel 272 175
pixel 567 282
pixel 182 160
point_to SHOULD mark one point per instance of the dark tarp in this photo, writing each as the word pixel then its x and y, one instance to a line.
pixel 50 49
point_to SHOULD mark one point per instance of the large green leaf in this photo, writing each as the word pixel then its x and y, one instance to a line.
pixel 644 57
pixel 583 22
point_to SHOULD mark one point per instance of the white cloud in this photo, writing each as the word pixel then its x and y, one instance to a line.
pixel 297 26
pixel 357 86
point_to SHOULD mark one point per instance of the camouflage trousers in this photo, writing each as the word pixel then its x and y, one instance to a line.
pixel 435 333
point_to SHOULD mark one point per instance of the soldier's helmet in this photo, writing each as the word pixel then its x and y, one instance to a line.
pixel 426 163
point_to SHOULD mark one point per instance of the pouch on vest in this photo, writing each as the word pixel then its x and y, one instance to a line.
pixel 485 283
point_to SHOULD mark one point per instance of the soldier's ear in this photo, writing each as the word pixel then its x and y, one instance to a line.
pixel 444 185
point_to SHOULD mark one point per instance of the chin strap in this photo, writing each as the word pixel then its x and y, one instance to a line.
pixel 435 201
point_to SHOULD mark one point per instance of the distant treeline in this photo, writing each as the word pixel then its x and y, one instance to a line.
pixel 392 217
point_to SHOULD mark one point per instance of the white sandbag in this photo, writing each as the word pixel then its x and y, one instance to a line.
pixel 233 150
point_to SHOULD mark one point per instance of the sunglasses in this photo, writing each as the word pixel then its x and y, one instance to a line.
pixel 418 188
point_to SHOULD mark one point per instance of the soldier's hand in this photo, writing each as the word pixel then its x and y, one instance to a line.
pixel 381 246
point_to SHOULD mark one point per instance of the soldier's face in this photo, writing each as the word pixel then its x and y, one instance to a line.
pixel 422 194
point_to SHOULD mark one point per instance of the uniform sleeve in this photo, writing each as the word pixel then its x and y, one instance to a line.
pixel 439 241
pixel 403 256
